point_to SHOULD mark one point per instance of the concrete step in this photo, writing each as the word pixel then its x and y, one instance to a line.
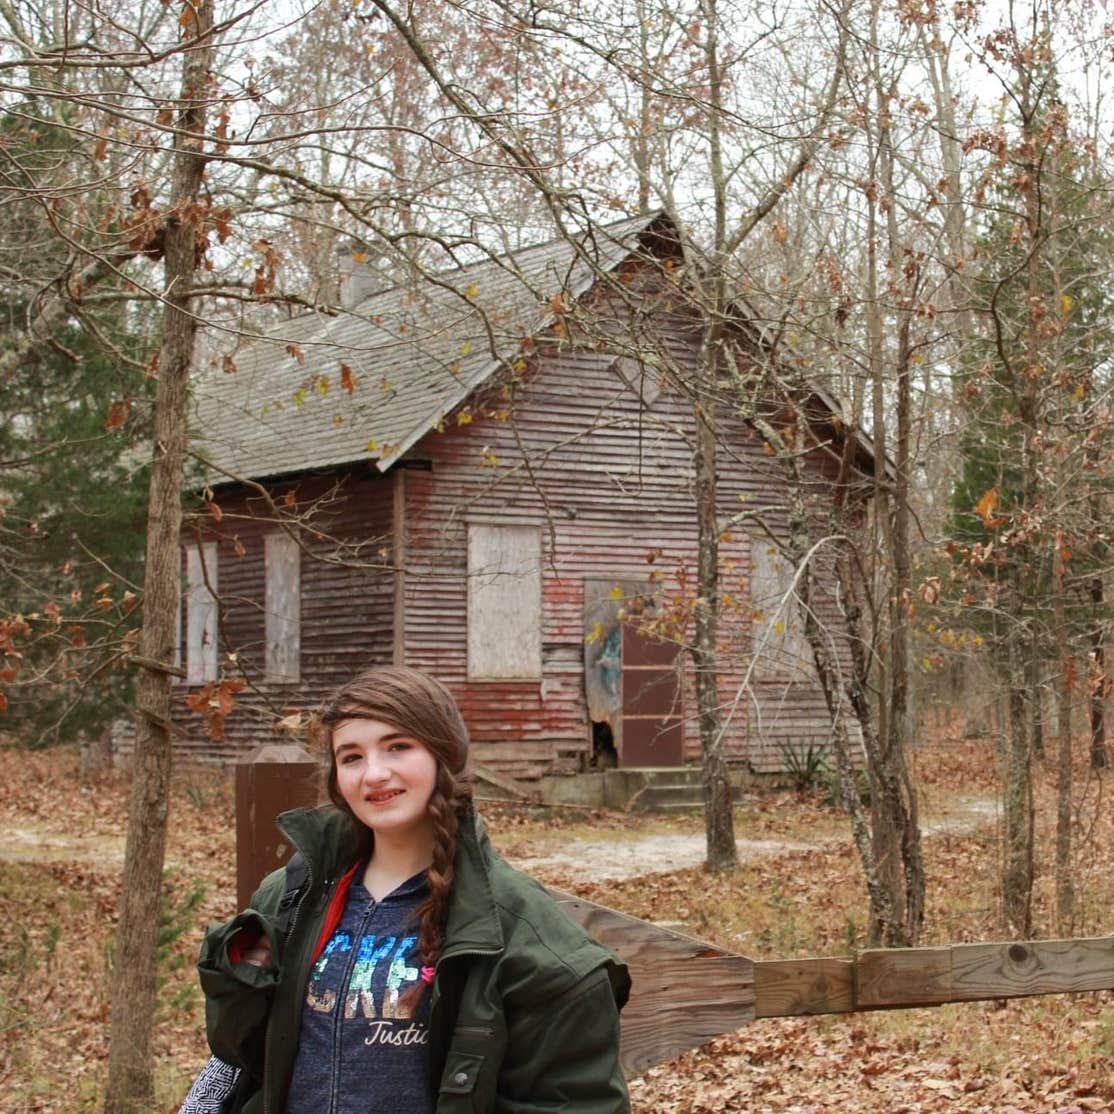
pixel 644 789
pixel 653 797
pixel 671 798
pixel 677 776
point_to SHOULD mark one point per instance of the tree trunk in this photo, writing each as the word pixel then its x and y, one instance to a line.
pixel 885 838
pixel 894 825
pixel 1065 884
pixel 1022 641
pixel 1097 682
pixel 900 794
pixel 1017 799
pixel 1035 696
pixel 719 819
pixel 134 992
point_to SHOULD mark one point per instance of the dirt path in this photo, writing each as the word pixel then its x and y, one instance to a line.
pixel 610 858
pixel 31 842
pixel 616 859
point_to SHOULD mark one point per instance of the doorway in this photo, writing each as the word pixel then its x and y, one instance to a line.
pixel 631 679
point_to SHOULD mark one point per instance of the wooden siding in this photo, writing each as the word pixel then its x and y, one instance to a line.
pixel 572 449
pixel 347 601
pixel 610 490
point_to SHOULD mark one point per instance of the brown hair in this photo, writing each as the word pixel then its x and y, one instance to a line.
pixel 425 710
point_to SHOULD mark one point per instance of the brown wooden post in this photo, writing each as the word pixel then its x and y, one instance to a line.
pixel 274 778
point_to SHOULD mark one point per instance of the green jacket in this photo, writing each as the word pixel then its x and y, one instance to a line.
pixel 523 1010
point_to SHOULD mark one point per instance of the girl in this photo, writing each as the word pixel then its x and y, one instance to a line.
pixel 417 973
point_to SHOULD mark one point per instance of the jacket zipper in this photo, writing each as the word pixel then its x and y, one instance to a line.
pixel 475 1030
pixel 289 934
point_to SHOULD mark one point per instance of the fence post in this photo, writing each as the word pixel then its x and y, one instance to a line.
pixel 273 778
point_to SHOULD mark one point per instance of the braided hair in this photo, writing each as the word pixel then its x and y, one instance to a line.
pixel 425 710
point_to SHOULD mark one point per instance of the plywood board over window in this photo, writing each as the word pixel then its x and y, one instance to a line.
pixel 780 647
pixel 282 608
pixel 504 603
pixel 201 613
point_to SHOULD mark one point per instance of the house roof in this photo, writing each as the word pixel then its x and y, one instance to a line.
pixel 322 390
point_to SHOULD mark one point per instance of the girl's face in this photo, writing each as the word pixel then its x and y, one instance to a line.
pixel 386 777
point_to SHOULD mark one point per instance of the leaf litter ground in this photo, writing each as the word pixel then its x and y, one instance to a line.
pixel 798 892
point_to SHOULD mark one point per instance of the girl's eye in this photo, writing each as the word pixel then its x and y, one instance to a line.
pixel 399 746
pixel 348 759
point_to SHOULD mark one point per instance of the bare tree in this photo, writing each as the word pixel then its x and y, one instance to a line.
pixel 130 1086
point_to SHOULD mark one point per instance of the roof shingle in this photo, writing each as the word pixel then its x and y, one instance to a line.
pixel 413 354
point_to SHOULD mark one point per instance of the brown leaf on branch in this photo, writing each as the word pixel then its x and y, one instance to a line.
pixel 221 130
pixel 214 703
pixel 118 414
pixel 222 223
pixel 985 508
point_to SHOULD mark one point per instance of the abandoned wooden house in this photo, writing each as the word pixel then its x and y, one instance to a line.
pixel 489 476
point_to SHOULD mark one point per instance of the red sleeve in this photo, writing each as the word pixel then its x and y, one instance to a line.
pixel 246 938
pixel 335 911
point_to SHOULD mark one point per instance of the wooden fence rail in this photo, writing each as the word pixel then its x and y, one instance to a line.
pixel 687 991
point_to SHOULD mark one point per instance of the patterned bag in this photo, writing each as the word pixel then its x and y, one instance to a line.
pixel 211 1089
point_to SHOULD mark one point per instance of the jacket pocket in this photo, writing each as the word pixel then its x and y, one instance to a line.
pixel 459 1092
pixel 462 1070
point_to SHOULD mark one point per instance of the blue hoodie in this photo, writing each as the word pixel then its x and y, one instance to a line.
pixel 360 1051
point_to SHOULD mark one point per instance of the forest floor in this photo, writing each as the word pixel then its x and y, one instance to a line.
pixel 798 892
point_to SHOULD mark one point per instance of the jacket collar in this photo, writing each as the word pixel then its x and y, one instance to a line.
pixel 330 841
pixel 473 921
pixel 326 837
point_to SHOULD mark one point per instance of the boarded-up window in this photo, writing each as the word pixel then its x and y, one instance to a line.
pixel 201 613
pixel 780 648
pixel 283 607
pixel 504 603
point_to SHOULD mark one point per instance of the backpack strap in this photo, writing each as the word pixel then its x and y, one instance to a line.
pixel 297 877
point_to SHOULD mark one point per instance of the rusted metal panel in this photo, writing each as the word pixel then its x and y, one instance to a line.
pixel 653 723
pixel 649 691
pixel 652 741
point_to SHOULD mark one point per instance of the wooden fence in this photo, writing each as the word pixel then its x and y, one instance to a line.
pixel 687 991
